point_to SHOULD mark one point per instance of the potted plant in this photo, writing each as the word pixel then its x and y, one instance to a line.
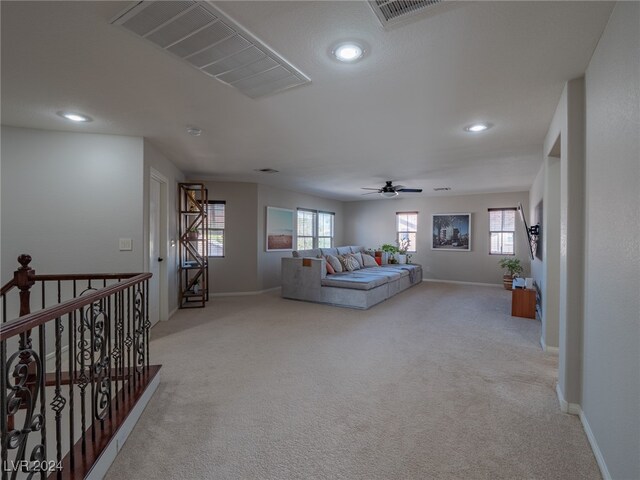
pixel 391 251
pixel 403 246
pixel 192 234
pixel 511 265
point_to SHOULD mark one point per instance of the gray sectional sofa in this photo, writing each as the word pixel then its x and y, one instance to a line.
pixel 304 277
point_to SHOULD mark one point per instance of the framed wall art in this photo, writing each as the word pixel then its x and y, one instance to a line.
pixel 451 231
pixel 280 228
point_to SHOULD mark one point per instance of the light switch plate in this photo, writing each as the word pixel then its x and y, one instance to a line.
pixel 125 244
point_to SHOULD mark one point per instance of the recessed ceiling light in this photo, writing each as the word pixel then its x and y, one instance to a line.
pixel 75 117
pixel 348 52
pixel 194 131
pixel 477 127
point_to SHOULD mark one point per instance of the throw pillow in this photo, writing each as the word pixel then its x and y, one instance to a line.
pixel 330 269
pixel 343 262
pixel 369 261
pixel 351 263
pixel 358 257
pixel 335 263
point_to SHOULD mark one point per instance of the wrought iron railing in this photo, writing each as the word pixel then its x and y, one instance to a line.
pixel 72 371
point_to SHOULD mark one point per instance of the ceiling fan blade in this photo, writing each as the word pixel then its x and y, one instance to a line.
pixel 365 188
pixel 409 190
pixel 369 193
pixel 398 188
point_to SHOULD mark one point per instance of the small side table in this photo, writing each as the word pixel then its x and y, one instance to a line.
pixel 523 303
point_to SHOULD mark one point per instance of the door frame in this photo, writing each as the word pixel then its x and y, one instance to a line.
pixel 163 241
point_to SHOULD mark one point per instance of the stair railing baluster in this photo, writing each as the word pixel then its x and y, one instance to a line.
pixel 57 405
pixel 108 346
pixel 43 396
pixel 4 427
pixel 71 325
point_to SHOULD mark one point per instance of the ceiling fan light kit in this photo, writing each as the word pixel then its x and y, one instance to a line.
pixel 389 190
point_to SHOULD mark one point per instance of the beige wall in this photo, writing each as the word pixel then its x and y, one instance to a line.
pixel 611 366
pixel 269 262
pixel 246 266
pixel 372 223
pixel 238 270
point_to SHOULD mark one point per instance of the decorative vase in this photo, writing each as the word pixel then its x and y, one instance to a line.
pixel 402 259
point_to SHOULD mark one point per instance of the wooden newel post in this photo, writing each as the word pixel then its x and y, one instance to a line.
pixel 24 281
pixel 23 277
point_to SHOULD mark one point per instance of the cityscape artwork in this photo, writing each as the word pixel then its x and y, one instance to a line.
pixel 451 231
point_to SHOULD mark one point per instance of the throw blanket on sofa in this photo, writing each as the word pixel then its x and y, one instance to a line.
pixel 412 273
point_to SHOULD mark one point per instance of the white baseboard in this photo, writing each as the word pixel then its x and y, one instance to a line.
pixel 548 349
pixel 576 409
pixel 478 284
pixel 99 469
pixel 566 407
pixel 594 446
pixel 172 313
pixel 242 294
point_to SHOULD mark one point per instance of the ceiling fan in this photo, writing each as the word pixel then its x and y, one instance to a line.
pixel 389 190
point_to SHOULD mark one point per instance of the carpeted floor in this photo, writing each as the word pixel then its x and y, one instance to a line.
pixel 439 382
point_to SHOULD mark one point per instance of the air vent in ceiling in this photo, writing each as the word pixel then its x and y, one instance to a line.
pixel 202 35
pixel 266 170
pixel 442 189
pixel 390 12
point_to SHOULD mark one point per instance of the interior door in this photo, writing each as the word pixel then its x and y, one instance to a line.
pixel 155 250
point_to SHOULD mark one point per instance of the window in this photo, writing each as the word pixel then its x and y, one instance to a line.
pixel 325 229
pixel 502 226
pixel 306 229
pixel 216 220
pixel 407 228
pixel 315 229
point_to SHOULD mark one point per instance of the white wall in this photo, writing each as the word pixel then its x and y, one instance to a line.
pixel 567 132
pixel 372 223
pixel 155 159
pixel 67 198
pixel 611 366
pixel 269 262
pixel 546 271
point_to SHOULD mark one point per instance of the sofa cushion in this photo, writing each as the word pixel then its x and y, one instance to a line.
pixel 329 251
pixel 343 250
pixel 351 262
pixel 383 272
pixel 368 260
pixel 335 263
pixel 330 270
pixel 357 249
pixel 358 257
pixel 314 252
pixel 356 281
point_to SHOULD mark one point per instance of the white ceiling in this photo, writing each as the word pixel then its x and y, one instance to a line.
pixel 396 115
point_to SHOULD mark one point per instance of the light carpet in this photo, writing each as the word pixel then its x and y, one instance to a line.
pixel 439 382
